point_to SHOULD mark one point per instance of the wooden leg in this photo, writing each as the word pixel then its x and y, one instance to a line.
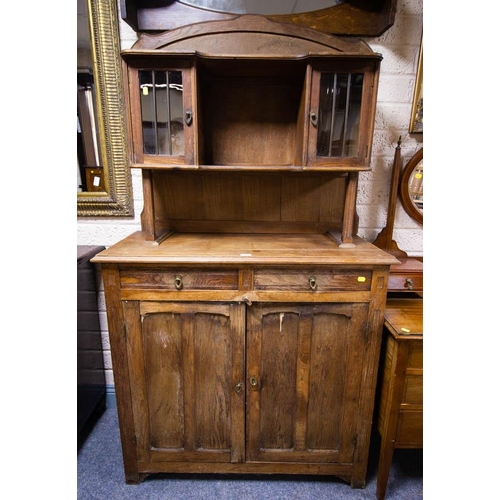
pixel 357 483
pixel 135 478
pixel 132 478
pixel 384 466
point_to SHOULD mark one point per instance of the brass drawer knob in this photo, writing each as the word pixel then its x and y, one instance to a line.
pixel 313 283
pixel 178 282
pixel 409 283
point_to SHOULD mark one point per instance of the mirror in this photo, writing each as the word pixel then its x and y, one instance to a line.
pixel 262 6
pixel 412 187
pixel 339 17
pixel 103 177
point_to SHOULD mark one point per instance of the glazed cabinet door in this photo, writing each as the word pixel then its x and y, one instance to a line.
pixel 303 381
pixel 187 373
pixel 163 120
pixel 342 110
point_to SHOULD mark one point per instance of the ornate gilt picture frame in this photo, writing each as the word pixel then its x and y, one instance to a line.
pixel 117 199
pixel 417 109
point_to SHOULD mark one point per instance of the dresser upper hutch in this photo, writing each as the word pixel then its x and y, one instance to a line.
pixel 250 125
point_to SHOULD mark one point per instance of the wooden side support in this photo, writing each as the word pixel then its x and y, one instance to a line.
pixel 349 211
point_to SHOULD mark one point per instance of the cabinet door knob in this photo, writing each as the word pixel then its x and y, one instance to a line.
pixel 253 381
pixel 409 283
pixel 188 118
pixel 238 388
pixel 313 283
pixel 314 118
pixel 178 282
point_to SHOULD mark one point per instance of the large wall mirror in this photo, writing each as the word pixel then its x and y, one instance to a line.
pixel 339 17
pixel 103 178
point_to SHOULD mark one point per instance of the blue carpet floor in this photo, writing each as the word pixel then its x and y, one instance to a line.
pixel 100 477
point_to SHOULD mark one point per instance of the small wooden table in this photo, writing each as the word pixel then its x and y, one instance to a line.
pixel 400 419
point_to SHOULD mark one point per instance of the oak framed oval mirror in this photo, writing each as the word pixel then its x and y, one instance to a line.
pixel 104 185
pixel 411 187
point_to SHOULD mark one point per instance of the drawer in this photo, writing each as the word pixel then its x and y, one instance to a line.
pixel 416 355
pixel 180 279
pixel 406 282
pixel 410 431
pixel 312 279
pixel 414 389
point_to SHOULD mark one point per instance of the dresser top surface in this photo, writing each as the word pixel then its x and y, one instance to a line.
pixel 264 249
pixel 408 265
pixel 404 318
pixel 86 252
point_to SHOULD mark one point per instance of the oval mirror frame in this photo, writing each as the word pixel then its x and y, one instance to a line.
pixel 404 187
pixel 105 43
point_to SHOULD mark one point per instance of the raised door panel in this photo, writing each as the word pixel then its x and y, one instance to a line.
pixel 186 361
pixel 303 381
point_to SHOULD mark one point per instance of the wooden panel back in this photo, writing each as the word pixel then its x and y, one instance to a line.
pixel 251 123
pixel 198 201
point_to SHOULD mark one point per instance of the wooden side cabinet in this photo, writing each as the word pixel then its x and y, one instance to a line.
pixel 91 384
pixel 400 419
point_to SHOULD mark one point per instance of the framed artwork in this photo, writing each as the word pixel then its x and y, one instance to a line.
pixel 417 109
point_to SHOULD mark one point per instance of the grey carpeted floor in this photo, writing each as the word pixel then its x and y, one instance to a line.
pixel 100 477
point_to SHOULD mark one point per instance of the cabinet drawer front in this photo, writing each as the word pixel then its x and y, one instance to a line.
pixel 406 282
pixel 410 432
pixel 312 280
pixel 416 356
pixel 414 390
pixel 181 279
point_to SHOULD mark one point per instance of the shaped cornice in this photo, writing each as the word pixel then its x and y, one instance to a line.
pixel 249 36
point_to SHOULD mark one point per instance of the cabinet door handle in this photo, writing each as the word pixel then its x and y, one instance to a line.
pixel 314 118
pixel 253 381
pixel 188 118
pixel 178 282
pixel 313 283
pixel 409 283
pixel 238 388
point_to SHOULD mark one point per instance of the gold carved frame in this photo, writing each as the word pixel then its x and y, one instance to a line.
pixel 105 42
pixel 417 108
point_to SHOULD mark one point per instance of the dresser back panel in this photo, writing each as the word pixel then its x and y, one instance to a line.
pixel 194 201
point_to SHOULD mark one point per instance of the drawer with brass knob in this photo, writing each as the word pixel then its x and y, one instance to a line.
pixel 315 280
pixel 407 276
pixel 180 279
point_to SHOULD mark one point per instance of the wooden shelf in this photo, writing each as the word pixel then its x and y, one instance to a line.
pixel 251 168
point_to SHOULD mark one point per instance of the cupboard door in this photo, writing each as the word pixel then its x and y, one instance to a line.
pixel 187 374
pixel 303 381
pixel 162 106
pixel 341 117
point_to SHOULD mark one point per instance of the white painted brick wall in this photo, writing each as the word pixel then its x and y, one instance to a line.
pixel 399 47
